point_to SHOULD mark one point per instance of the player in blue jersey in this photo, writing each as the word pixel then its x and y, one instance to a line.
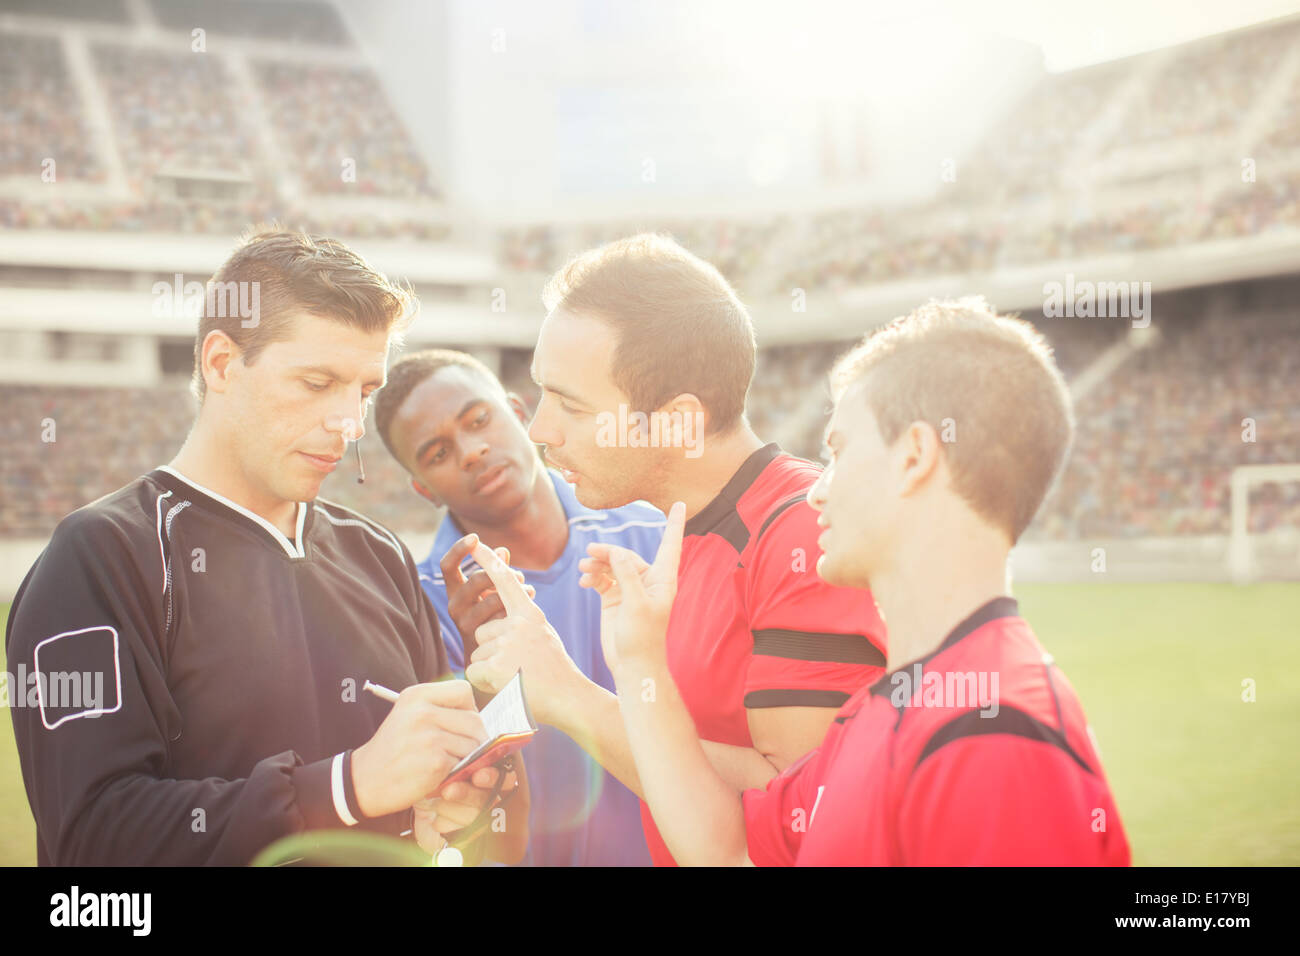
pixel 452 425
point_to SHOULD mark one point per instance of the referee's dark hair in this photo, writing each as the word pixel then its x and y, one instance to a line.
pixel 407 373
pixel 295 272
pixel 680 325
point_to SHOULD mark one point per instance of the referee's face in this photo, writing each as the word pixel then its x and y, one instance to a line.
pixel 290 414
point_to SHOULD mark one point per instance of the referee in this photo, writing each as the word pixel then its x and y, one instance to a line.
pixel 232 617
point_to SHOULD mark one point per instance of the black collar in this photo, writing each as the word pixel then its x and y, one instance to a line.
pixel 725 502
pixel 991 611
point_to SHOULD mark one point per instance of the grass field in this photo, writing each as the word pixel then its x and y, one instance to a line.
pixel 1201 777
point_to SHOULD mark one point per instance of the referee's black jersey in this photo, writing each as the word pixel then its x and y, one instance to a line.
pixel 231 661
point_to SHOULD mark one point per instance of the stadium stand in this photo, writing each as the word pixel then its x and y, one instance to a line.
pixel 1155 443
pixel 304 106
pixel 40 112
pixel 1155 439
pixel 1205 89
pixel 172 110
pixel 184 132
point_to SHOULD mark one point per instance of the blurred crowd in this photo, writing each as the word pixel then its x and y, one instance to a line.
pixel 178 117
pixel 1020 196
pixel 329 116
pixel 1207 89
pixel 66 447
pixel 857 247
pixel 172 112
pixel 40 112
pixel 1156 441
pixel 226 219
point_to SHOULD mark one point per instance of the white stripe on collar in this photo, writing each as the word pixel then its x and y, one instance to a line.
pixel 293 549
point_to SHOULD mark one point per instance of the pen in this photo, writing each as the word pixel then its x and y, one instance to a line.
pixel 379 690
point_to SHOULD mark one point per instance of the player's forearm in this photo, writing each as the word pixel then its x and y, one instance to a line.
pixel 743 768
pixel 591 716
pixel 699 814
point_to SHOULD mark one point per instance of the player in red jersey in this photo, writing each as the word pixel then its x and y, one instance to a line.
pixel 763 650
pixel 973 749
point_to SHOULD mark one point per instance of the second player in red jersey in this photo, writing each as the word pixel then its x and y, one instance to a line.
pixel 753 626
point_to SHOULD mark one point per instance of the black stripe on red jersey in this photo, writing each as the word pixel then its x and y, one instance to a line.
pixel 1008 720
pixel 794 697
pixel 990 611
pixel 782 507
pixel 817 646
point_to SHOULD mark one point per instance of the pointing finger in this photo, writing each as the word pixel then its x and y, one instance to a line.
pixel 513 596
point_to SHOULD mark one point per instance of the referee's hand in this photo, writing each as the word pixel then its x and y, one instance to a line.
pixel 457 807
pixel 429 730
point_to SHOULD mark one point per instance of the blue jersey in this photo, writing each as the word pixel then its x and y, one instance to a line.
pixel 581 815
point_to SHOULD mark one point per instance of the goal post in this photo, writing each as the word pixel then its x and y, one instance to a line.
pixel 1242 561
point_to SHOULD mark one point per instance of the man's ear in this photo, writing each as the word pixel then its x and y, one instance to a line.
pixel 687 403
pixel 921 451
pixel 688 420
pixel 217 358
pixel 425 493
pixel 518 406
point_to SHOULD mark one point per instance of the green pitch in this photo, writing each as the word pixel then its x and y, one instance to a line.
pixel 1200 776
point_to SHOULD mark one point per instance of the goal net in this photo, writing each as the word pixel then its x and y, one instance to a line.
pixel 1274 553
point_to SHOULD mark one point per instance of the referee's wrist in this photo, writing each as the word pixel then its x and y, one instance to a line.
pixel 344 791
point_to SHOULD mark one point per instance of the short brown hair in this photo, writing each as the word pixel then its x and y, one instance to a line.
pixel 295 272
pixel 681 327
pixel 994 376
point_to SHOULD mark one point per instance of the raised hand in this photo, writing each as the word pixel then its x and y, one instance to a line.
pixel 636 598
pixel 472 601
pixel 521 641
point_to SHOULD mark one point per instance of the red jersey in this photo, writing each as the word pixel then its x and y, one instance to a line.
pixel 977 754
pixel 753 625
